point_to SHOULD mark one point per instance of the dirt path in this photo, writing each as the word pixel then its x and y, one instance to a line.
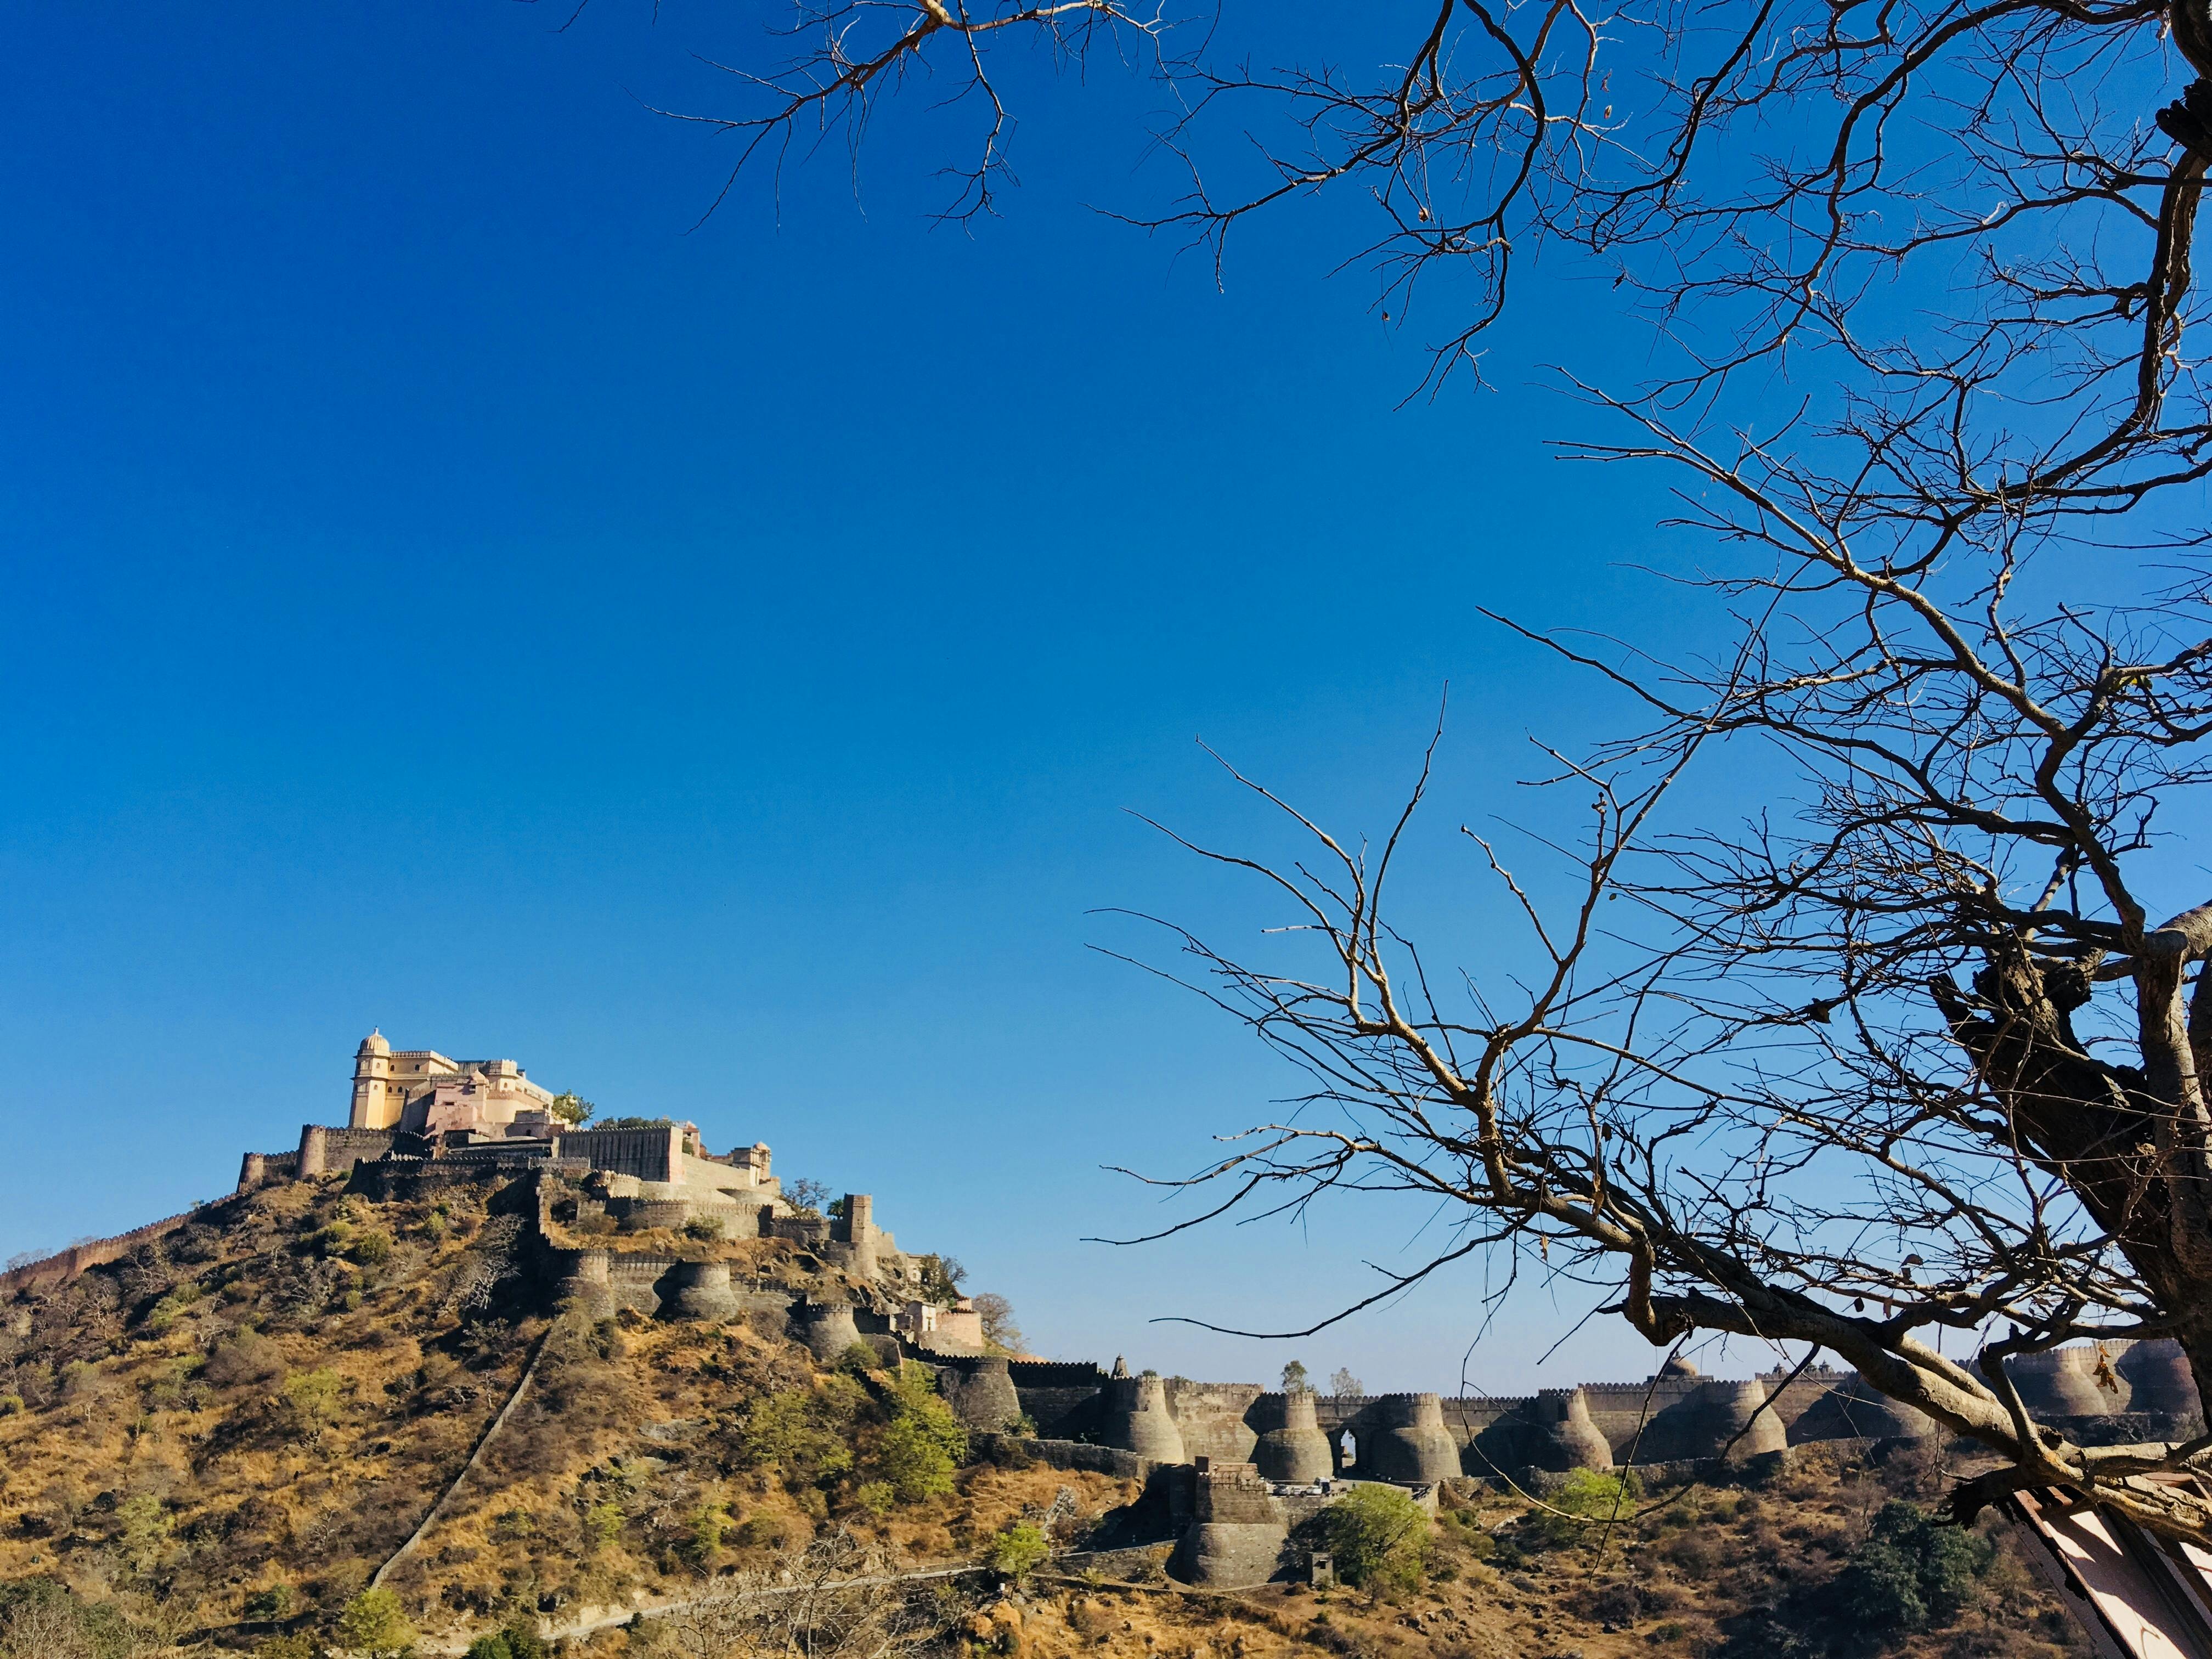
pixel 592 1621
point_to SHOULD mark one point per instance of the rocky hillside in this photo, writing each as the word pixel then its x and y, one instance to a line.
pixel 227 1439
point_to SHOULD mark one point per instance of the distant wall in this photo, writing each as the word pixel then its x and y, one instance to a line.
pixel 97 1252
pixel 1073 1454
pixel 1662 1420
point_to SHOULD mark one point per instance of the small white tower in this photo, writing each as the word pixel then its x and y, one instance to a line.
pixel 376 1103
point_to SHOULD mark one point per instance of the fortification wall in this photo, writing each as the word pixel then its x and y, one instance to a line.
pixel 1212 1418
pixel 67 1264
pixel 326 1151
pixel 262 1169
pixel 651 1154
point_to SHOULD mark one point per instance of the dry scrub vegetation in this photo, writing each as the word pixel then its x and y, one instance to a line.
pixel 222 1438
pixel 240 1423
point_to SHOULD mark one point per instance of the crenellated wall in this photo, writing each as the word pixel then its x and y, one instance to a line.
pixel 1675 1417
pixel 98 1252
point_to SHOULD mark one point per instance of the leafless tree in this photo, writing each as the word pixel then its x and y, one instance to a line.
pixel 828 1600
pixel 1904 1042
pixel 44 1627
pixel 1000 1333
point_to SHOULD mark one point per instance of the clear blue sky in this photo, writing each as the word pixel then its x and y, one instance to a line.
pixel 444 592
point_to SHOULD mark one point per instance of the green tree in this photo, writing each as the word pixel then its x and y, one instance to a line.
pixel 1379 1537
pixel 312 1399
pixel 143 1526
pixel 924 1442
pixel 1294 1377
pixel 374 1624
pixel 703 1534
pixel 1017 1550
pixel 806 1432
pixel 1913 1572
pixel 602 1524
pixel 1585 1495
pixel 940 1279
pixel 572 1109
pixel 517 1641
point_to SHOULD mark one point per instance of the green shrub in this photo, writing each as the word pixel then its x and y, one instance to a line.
pixel 703 1534
pixel 517 1641
pixel 1379 1537
pixel 10 1404
pixel 924 1442
pixel 1913 1572
pixel 913 1462
pixel 301 1646
pixel 164 1315
pixel 876 1497
pixel 1586 1495
pixel 374 1624
pixel 142 1526
pixel 602 1524
pixel 703 1227
pixel 1018 1550
pixel 313 1398
pixel 275 1602
pixel 763 1532
pixel 370 1249
pixel 806 1433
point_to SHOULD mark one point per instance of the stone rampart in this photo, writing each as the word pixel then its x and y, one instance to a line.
pixel 650 1154
pixel 1676 1418
pixel 262 1169
pixel 326 1151
pixel 1073 1454
pixel 1212 1417
pixel 65 1264
pixel 383 1179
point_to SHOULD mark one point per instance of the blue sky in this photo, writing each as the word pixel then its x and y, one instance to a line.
pixel 445 591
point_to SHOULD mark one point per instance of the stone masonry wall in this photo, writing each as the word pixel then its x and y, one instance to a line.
pixel 654 1154
pixel 98 1252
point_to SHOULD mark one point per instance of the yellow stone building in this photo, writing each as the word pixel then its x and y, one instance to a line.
pixel 423 1091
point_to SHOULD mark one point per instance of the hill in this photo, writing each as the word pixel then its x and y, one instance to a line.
pixel 225 1437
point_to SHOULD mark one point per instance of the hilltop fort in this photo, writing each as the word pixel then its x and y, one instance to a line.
pixel 638 1215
